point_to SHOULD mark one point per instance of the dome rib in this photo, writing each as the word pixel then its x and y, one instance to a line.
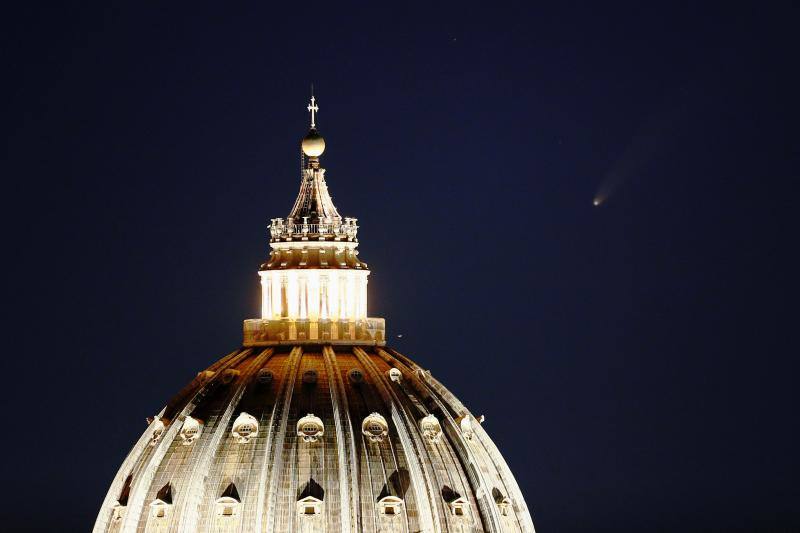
pixel 500 466
pixel 455 444
pixel 344 434
pixel 263 472
pixel 151 460
pixel 441 453
pixel 427 508
pixel 280 435
pixel 206 448
pixel 225 460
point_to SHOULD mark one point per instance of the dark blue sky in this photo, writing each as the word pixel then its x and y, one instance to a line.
pixel 637 362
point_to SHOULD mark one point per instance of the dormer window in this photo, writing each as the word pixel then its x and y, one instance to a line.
pixel 205 376
pixel 459 507
pixel 390 506
pixel 309 508
pixel 309 377
pixel 158 431
pixel 465 424
pixel 161 507
pixel 375 427
pixel 431 429
pixel 395 375
pixel 227 505
pixel 121 505
pixel 245 427
pixel 118 512
pixel 458 504
pixel 504 505
pixel 190 430
pixel 356 376
pixel 503 502
pixel 310 428
pixel 265 377
pixel 229 375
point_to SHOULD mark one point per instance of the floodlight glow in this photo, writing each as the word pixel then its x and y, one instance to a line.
pixel 314 294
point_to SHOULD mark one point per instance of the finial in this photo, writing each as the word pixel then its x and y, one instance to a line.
pixel 313 144
pixel 313 108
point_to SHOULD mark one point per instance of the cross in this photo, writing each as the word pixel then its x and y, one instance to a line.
pixel 313 108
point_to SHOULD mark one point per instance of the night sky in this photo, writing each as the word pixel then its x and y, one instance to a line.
pixel 636 361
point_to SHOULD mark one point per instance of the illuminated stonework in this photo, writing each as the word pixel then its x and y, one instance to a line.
pixel 431 428
pixel 310 428
pixel 314 425
pixel 314 294
pixel 313 271
pixel 158 431
pixel 245 427
pixel 375 428
pixel 259 332
pixel 190 431
pixel 330 452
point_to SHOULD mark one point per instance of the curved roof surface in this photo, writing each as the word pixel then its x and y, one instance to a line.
pixel 371 466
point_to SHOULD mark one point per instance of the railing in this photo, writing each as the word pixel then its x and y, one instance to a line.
pixel 369 331
pixel 338 228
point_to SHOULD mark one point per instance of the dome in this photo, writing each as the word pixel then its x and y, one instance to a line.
pixel 313 424
pixel 372 443
pixel 313 144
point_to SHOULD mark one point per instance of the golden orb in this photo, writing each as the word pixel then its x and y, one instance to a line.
pixel 313 144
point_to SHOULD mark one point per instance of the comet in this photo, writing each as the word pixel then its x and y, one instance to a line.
pixel 651 141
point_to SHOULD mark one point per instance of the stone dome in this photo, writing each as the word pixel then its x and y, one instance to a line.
pixel 314 438
pixel 313 424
